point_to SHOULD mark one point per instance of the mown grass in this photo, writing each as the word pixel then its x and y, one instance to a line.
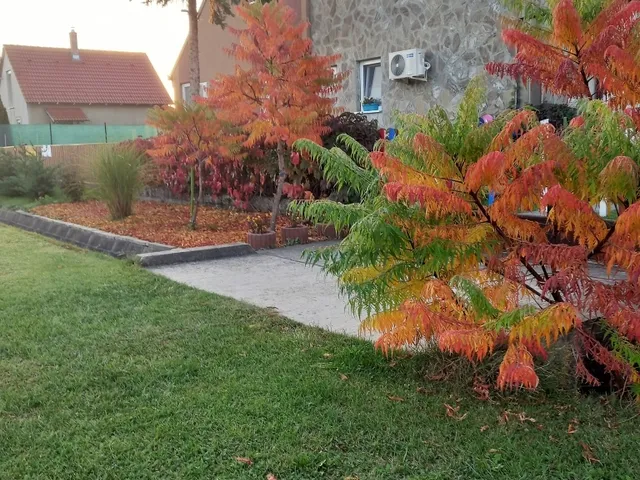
pixel 107 371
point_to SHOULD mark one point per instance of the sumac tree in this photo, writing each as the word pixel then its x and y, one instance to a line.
pixel 428 260
pixel 577 49
pixel 280 91
pixel 193 144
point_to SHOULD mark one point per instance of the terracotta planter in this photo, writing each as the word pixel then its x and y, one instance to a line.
pixel 258 241
pixel 329 231
pixel 294 234
pixel 326 230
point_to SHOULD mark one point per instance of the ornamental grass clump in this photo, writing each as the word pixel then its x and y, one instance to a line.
pixel 118 174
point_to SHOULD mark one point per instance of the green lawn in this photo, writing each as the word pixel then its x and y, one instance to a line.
pixel 107 371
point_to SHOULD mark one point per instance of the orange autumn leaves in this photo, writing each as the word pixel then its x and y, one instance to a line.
pixel 159 222
pixel 478 280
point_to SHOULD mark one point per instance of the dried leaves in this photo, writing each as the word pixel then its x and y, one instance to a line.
pixel 453 412
pixel 588 454
pixel 158 222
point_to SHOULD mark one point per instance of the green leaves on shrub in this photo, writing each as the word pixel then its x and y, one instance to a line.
pixel 24 174
pixel 118 172
pixel 72 184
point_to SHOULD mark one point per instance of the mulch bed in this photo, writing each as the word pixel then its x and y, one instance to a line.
pixel 162 223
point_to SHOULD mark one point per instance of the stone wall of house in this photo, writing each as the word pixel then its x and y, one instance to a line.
pixel 459 37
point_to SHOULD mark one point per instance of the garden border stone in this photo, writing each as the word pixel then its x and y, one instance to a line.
pixel 89 238
pixel 198 254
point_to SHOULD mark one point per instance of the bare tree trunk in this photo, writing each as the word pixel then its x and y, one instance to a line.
pixel 193 203
pixel 194 50
pixel 194 81
pixel 282 174
pixel 200 181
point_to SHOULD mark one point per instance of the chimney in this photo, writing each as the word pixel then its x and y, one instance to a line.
pixel 73 37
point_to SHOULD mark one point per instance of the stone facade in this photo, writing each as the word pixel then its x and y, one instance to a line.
pixel 458 36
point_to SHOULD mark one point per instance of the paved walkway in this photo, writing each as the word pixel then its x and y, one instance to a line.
pixel 279 279
pixel 273 279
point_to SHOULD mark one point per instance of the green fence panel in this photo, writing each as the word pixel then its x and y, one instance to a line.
pixel 77 134
pixel 11 135
pixel 59 134
pixel 120 133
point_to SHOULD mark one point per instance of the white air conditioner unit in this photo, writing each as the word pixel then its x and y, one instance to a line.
pixel 408 64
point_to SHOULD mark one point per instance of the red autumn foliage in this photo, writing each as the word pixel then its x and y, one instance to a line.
pixel 475 280
pixel 280 90
pixel 193 141
pixel 580 59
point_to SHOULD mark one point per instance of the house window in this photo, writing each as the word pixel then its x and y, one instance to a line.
pixel 9 87
pixel 186 94
pixel 371 86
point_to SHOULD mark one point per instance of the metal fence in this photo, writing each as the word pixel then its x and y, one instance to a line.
pixel 59 134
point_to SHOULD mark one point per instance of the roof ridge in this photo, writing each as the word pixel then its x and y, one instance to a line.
pixel 51 75
pixel 91 50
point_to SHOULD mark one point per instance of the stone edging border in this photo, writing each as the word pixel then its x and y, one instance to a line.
pixel 199 254
pixel 89 238
pixel 148 254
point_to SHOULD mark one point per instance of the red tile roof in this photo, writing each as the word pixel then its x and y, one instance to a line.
pixel 49 75
pixel 66 114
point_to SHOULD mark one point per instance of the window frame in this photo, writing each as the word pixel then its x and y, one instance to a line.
pixel 184 88
pixel 362 64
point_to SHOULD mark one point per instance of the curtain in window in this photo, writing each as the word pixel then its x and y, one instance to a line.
pixel 369 74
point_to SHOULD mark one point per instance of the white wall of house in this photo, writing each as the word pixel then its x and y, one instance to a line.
pixel 11 95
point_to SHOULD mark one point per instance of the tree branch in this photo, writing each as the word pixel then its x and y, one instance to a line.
pixel 598 248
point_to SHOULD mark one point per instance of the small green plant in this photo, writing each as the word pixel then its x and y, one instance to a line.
pixel 258 224
pixel 371 101
pixel 117 171
pixel 7 164
pixel 24 174
pixel 295 219
pixel 71 184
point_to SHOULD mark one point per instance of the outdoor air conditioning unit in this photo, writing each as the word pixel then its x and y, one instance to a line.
pixel 408 64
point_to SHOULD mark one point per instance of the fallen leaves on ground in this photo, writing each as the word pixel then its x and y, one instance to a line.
pixel 484 428
pixel 481 389
pixel 161 222
pixel 271 476
pixel 522 417
pixel 343 377
pixel 588 454
pixel 453 412
pixel 394 398
pixel 245 460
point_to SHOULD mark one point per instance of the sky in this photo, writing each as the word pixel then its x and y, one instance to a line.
pixel 122 25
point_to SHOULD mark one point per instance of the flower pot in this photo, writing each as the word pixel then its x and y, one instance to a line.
pixel 258 241
pixel 295 234
pixel 370 107
pixel 326 230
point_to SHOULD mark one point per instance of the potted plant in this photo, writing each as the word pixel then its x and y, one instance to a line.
pixel 370 104
pixel 326 230
pixel 259 236
pixel 296 232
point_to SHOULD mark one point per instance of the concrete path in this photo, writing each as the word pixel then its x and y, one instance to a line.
pixel 273 279
pixel 279 279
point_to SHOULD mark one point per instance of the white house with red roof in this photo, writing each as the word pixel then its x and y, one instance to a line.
pixel 59 85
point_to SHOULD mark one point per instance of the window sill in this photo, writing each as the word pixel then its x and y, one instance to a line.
pixel 370 112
